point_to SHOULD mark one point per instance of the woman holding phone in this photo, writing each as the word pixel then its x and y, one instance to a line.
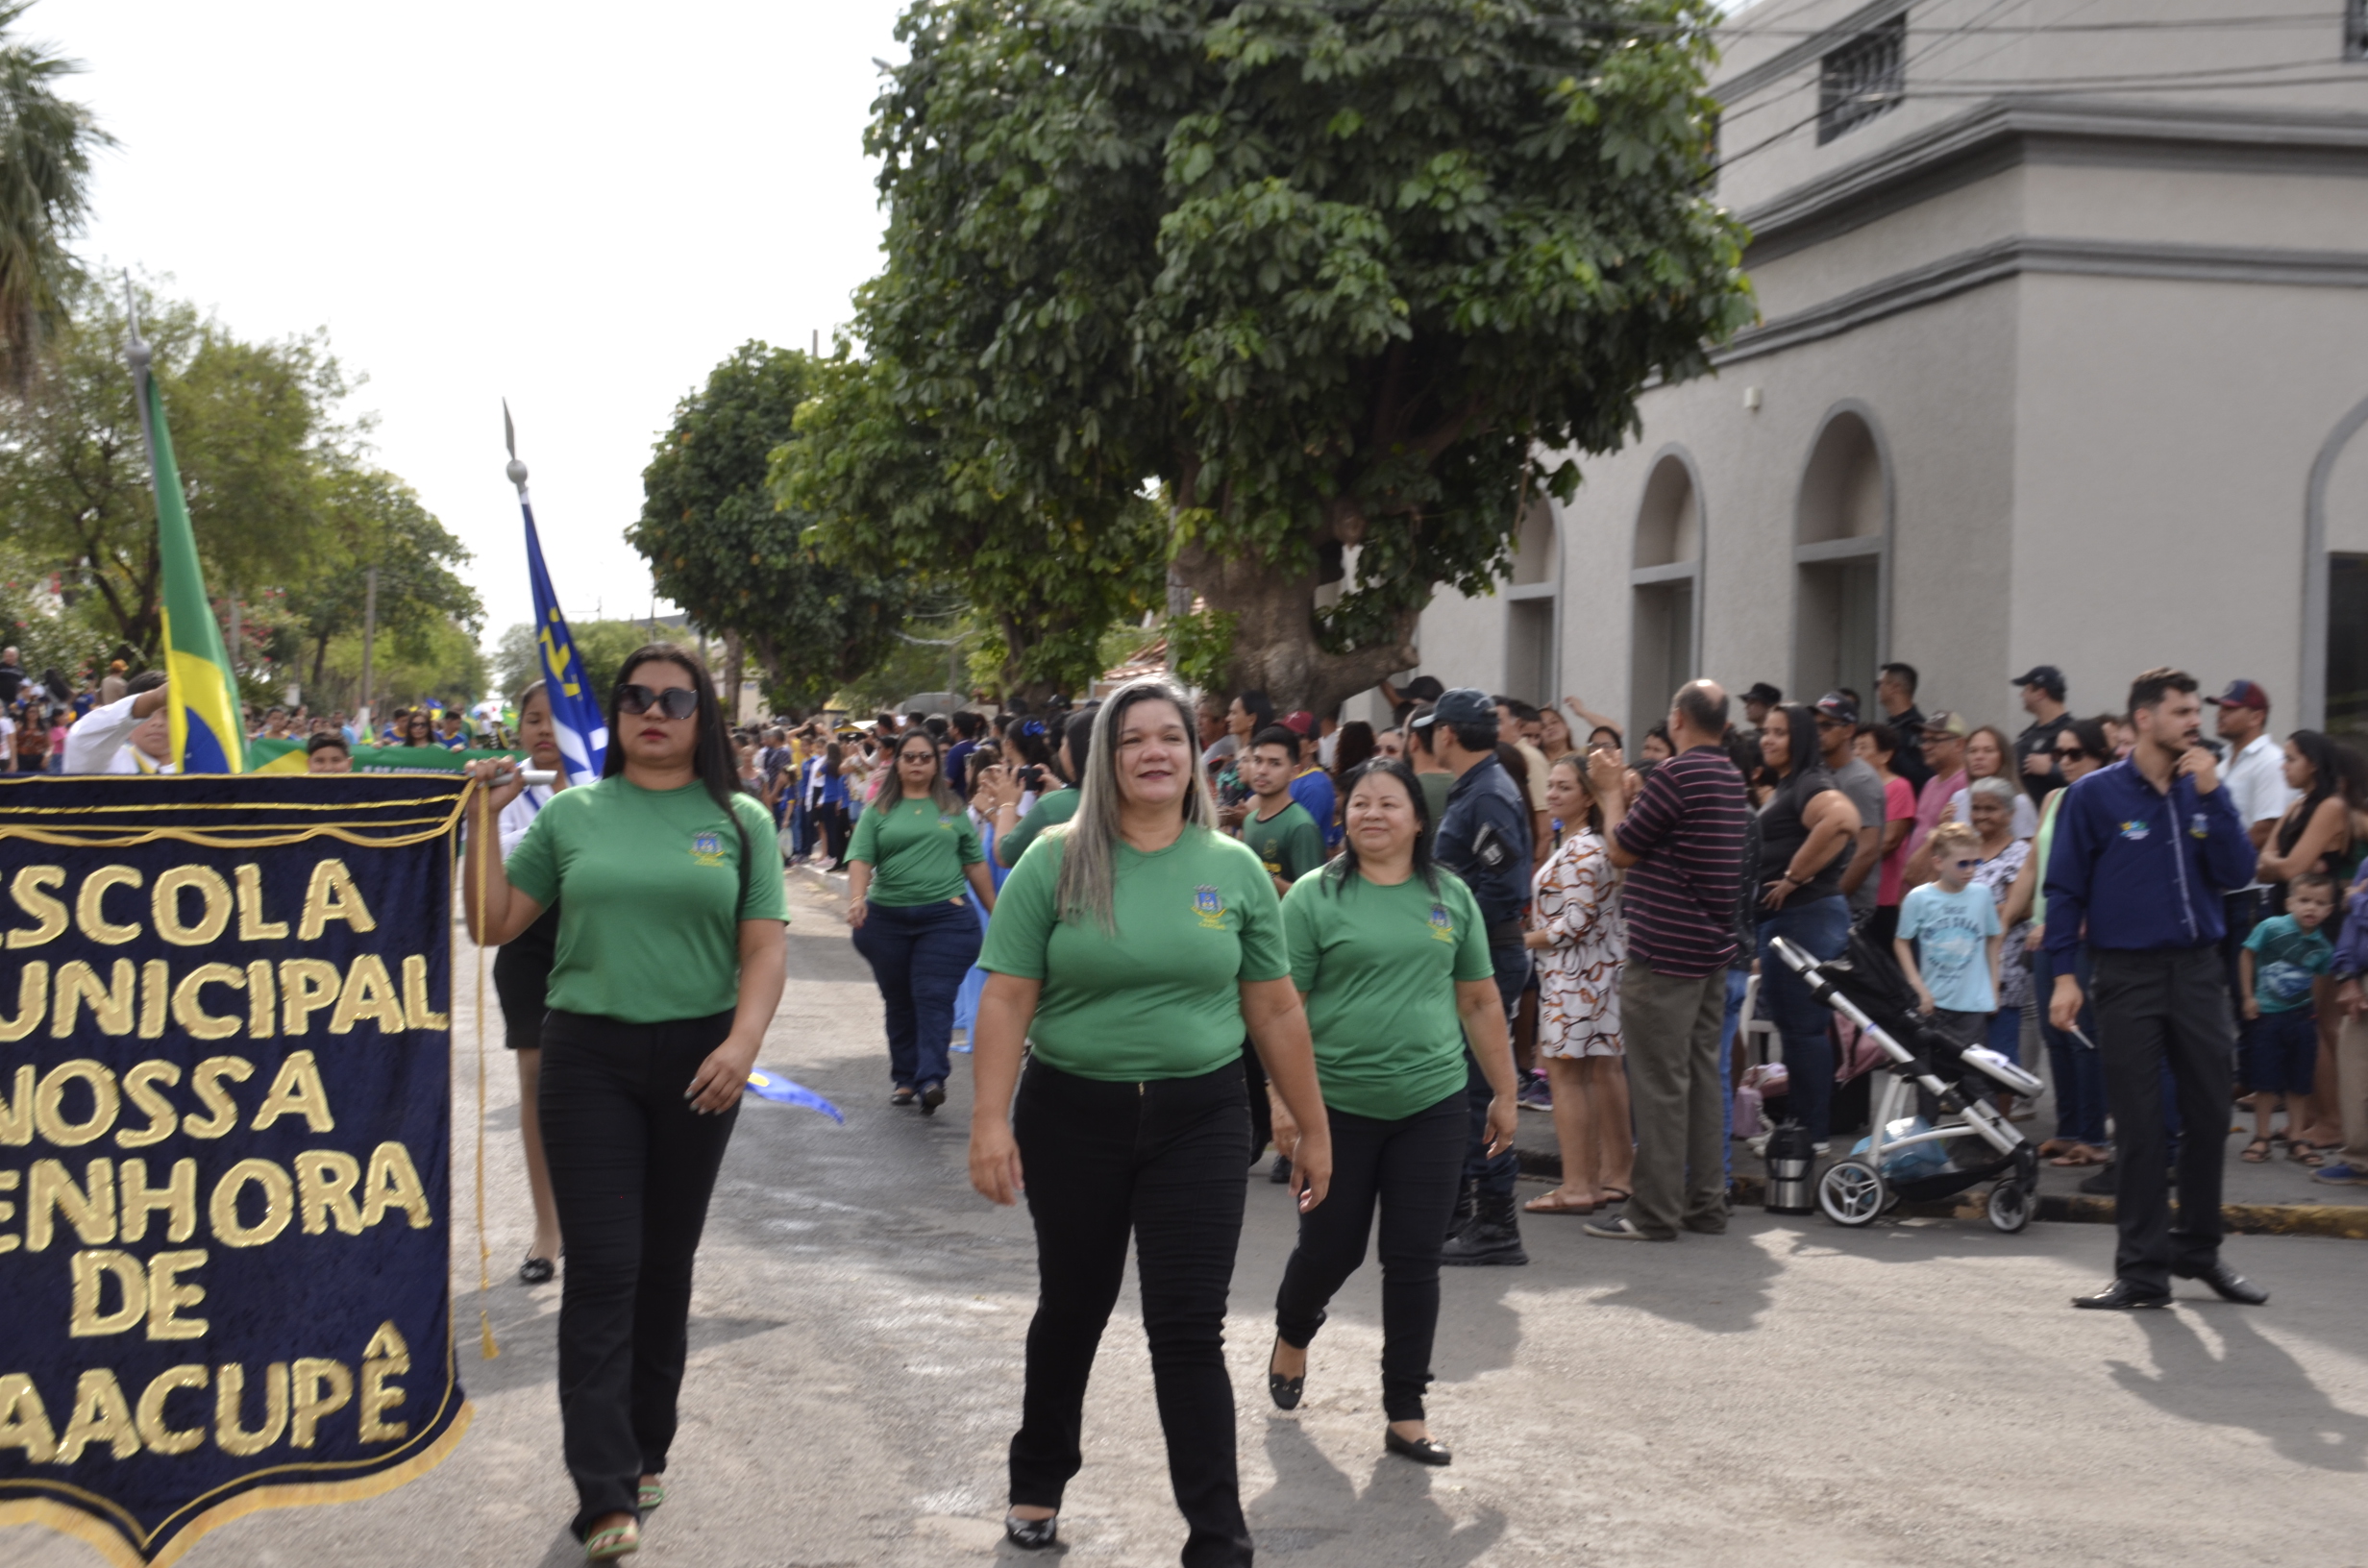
pixel 1133 947
pixel 1391 957
pixel 915 854
pixel 668 968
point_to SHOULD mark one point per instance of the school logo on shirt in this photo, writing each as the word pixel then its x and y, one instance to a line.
pixel 2199 827
pixel 706 847
pixel 1443 926
pixel 1210 905
pixel 2136 830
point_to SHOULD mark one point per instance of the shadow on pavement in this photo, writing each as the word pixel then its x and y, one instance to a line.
pixel 2253 1383
pixel 1313 1504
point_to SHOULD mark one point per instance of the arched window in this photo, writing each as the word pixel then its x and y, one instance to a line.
pixel 1843 557
pixel 1530 665
pixel 1665 579
pixel 2334 695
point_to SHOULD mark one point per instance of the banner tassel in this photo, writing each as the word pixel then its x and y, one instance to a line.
pixel 484 1248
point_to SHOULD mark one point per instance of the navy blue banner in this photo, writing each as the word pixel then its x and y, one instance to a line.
pixel 225 1194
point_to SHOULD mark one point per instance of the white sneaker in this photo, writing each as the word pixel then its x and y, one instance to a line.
pixel 1821 1150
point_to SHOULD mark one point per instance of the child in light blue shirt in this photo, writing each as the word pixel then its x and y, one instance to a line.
pixel 1948 940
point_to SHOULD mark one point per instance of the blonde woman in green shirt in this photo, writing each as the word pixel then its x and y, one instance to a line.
pixel 667 970
pixel 1391 957
pixel 1133 947
pixel 912 871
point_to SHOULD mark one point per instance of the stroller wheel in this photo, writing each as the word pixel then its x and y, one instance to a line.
pixel 2009 1206
pixel 1852 1193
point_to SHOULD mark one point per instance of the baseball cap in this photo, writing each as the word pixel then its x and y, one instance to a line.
pixel 2241 694
pixel 1946 722
pixel 1762 692
pixel 1834 705
pixel 2046 676
pixel 1462 706
pixel 1299 723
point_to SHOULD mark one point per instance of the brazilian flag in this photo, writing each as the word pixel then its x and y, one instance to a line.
pixel 202 710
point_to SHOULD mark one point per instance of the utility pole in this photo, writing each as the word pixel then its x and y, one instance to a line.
pixel 369 635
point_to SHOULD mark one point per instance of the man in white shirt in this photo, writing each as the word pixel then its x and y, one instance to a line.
pixel 2255 776
pixel 126 736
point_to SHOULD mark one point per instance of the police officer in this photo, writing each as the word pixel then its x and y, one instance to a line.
pixel 1483 837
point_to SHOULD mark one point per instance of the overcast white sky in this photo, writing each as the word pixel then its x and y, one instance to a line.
pixel 581 208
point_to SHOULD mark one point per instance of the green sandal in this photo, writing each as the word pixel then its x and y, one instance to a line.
pixel 653 1493
pixel 610 1544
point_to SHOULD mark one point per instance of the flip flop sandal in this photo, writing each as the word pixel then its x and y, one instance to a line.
pixel 1554 1203
pixel 1613 1196
pixel 2305 1154
pixel 610 1544
pixel 2256 1151
pixel 653 1493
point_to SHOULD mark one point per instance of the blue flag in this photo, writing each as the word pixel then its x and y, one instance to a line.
pixel 771 1085
pixel 575 706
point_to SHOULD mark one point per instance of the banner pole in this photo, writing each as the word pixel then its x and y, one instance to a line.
pixel 484 1248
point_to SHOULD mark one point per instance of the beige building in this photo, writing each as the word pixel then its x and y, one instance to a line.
pixel 2062 359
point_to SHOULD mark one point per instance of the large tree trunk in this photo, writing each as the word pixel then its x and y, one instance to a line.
pixel 1274 643
pixel 735 657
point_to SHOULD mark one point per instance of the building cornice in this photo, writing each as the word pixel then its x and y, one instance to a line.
pixel 2004 132
pixel 1984 264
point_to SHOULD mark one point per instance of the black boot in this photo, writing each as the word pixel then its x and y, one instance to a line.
pixel 1464 1201
pixel 1493 1236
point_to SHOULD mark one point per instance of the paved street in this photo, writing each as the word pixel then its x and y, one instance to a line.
pixel 1788 1394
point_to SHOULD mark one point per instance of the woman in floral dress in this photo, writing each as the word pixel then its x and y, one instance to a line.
pixel 1577 938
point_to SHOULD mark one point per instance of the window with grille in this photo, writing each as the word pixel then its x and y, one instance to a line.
pixel 1868 76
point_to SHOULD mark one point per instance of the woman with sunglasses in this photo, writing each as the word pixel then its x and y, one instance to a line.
pixel 914 851
pixel 1133 948
pixel 2080 747
pixel 668 968
pixel 1390 959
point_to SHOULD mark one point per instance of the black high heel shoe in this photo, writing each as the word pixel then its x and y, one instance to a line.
pixel 1421 1450
pixel 1031 1535
pixel 1284 1390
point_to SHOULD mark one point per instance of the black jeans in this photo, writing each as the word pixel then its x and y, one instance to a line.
pixel 2166 1008
pixel 1161 1161
pixel 1409 1167
pixel 631 1165
pixel 1495 1176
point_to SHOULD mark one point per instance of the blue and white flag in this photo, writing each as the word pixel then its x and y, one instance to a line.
pixel 575 706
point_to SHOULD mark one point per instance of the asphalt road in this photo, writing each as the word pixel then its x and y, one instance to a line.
pixel 1788 1393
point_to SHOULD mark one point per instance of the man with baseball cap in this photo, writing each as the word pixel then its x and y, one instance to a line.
pixel 2254 777
pixel 1944 755
pixel 2035 749
pixel 1838 733
pixel 1483 837
pixel 1757 702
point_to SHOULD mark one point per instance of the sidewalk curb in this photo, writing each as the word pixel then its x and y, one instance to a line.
pixel 2344 1221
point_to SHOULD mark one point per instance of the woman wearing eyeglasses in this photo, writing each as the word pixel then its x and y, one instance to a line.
pixel 2080 747
pixel 667 971
pixel 915 852
pixel 1133 948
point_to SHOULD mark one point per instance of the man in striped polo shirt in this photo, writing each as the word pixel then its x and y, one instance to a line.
pixel 1681 844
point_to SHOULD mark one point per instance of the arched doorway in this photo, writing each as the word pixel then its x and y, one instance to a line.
pixel 1665 579
pixel 2335 694
pixel 1842 556
pixel 1531 668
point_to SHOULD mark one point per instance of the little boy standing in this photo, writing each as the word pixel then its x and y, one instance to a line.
pixel 2281 959
pixel 1956 973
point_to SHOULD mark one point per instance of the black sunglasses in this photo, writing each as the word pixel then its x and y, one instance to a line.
pixel 2071 754
pixel 673 703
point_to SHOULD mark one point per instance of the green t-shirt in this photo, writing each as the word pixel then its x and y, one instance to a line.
pixel 653 896
pixel 916 853
pixel 1434 788
pixel 1049 811
pixel 1157 998
pixel 1289 842
pixel 1379 966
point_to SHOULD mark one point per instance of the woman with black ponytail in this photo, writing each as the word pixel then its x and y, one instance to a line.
pixel 667 970
pixel 1392 958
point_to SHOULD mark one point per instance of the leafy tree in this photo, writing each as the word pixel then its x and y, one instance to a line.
pixel 373 519
pixel 1334 273
pixel 898 484
pixel 45 147
pixel 718 547
pixel 443 661
pixel 254 425
pixel 602 644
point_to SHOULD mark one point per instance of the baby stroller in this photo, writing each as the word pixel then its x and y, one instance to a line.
pixel 1865 986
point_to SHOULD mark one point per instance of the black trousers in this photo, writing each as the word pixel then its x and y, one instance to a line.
pixel 1161 1162
pixel 1410 1168
pixel 631 1165
pixel 1496 1176
pixel 2157 1010
pixel 1260 1113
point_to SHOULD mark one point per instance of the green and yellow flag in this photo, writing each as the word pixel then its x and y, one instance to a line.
pixel 203 708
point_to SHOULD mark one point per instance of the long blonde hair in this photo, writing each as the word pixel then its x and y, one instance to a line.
pixel 1088 884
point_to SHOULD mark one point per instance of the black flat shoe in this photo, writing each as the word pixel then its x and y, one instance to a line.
pixel 1421 1450
pixel 1286 1390
pixel 933 1096
pixel 1031 1535
pixel 2230 1285
pixel 1279 1173
pixel 903 1096
pixel 2122 1296
pixel 536 1270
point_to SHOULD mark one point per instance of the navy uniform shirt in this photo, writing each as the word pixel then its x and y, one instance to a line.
pixel 1483 837
pixel 2134 869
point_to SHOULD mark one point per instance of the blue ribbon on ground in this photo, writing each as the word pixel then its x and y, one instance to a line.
pixel 771 1086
